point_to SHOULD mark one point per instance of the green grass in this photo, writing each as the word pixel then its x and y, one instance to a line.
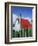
pixel 21 33
pixel 30 33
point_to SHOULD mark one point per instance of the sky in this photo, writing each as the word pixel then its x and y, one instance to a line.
pixel 24 11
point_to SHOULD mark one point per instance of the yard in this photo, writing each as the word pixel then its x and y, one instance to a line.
pixel 21 33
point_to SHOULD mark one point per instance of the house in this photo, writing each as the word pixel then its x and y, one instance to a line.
pixel 25 24
pixel 22 25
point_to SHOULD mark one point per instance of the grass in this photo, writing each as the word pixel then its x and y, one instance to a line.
pixel 21 33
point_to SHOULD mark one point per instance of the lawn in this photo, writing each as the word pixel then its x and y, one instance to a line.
pixel 21 33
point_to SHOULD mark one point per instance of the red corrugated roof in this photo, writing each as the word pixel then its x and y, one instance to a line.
pixel 25 24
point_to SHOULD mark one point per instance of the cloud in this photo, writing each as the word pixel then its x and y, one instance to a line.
pixel 14 17
pixel 28 18
pixel 17 26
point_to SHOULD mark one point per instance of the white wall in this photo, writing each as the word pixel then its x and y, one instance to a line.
pixel 2 24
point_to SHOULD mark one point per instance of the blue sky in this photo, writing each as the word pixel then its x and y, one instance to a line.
pixel 24 11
